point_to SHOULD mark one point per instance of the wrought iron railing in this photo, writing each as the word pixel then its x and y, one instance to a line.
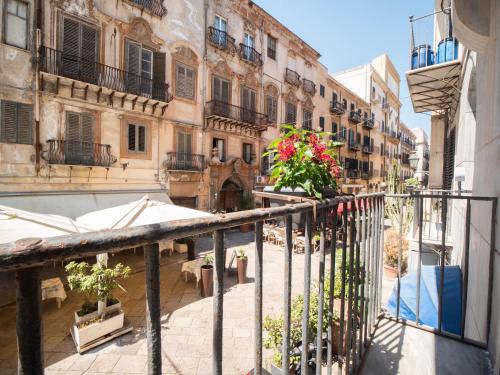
pixel 78 153
pixel 337 107
pixel 351 173
pixel 309 87
pixel 356 146
pixel 366 175
pixel 351 229
pixel 221 39
pixel 355 117
pixel 292 77
pixel 368 149
pixel 180 161
pixel 250 54
pixel 368 123
pixel 222 109
pixel 154 7
pixel 79 68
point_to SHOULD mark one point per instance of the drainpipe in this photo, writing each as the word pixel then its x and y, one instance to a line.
pixel 204 100
pixel 38 42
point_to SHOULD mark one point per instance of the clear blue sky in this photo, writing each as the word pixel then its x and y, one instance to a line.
pixel 351 33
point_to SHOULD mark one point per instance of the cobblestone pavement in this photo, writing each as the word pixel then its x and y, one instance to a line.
pixel 186 319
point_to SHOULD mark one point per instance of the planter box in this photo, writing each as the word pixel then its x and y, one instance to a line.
pixel 298 220
pixel 94 315
pixel 86 334
pixel 180 247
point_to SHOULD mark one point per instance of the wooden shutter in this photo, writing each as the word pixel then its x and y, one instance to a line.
pixel 89 53
pixel 87 131
pixel 159 88
pixel 225 91
pixel 9 122
pixel 133 67
pixel 141 144
pixel 73 144
pixel 70 47
pixel 131 137
pixel 322 123
pixel 216 89
pixel 25 123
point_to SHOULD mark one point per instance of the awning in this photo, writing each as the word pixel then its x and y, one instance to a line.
pixel 435 87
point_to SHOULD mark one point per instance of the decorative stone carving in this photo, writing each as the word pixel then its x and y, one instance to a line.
pixel 308 103
pixel 222 68
pixel 186 55
pixel 249 79
pixel 271 89
pixel 290 96
pixel 140 30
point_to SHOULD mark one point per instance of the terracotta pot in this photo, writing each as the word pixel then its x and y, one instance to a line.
pixel 245 228
pixel 390 272
pixel 241 266
pixel 207 280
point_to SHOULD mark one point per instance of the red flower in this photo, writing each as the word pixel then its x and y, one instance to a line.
pixel 313 139
pixel 286 149
pixel 326 157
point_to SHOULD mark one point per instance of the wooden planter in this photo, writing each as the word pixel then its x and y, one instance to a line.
pixel 207 280
pixel 241 267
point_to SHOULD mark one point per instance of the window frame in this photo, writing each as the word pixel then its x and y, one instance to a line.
pixel 18 129
pixel 307 123
pixel 4 24
pixel 287 104
pixel 224 147
pixel 322 90
pixel 176 63
pixel 125 152
pixel 272 117
pixel 272 49
pixel 243 152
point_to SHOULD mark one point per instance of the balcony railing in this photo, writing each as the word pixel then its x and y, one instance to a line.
pixel 309 87
pixel 337 107
pixel 78 68
pixel 355 146
pixel 351 173
pixel 180 161
pixel 385 107
pixel 221 39
pixel 355 117
pixel 368 123
pixel 250 55
pixel 339 138
pixel 78 153
pixel 154 7
pixel 360 264
pixel 292 77
pixel 368 149
pixel 240 114
pixel 366 175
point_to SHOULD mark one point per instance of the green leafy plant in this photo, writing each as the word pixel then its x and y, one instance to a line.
pixel 208 259
pixel 241 253
pixel 411 182
pixel 246 201
pixel 96 281
pixel 273 325
pixel 303 160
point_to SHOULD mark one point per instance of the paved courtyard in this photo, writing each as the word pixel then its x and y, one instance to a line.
pixel 186 319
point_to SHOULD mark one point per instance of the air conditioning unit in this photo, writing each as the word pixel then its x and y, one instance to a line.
pixel 259 179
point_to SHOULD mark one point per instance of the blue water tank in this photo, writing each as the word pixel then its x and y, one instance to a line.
pixel 447 50
pixel 422 56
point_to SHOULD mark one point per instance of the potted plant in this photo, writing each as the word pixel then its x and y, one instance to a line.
pixel 181 245
pixel 246 203
pixel 101 316
pixel 207 276
pixel 304 166
pixel 391 254
pixel 241 266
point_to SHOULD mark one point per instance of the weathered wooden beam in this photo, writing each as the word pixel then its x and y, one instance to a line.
pixel 218 302
pixel 29 322
pixel 153 316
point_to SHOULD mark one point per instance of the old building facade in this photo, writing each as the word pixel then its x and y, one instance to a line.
pixel 406 147
pixel 182 98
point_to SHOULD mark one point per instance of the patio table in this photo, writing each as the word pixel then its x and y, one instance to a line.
pixel 53 288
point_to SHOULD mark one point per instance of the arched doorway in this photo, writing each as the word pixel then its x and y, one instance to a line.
pixel 230 195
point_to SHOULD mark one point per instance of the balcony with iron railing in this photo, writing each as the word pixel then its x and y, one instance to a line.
pixel 250 55
pixel 368 123
pixel 354 146
pixel 221 39
pixel 59 63
pixel 339 139
pixel 78 153
pixel 309 87
pixel 366 175
pixel 292 77
pixel 367 149
pixel 154 7
pixel 355 117
pixel 181 161
pixel 337 108
pixel 237 116
pixel 351 173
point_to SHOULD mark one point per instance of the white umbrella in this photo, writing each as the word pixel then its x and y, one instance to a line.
pixel 142 212
pixel 16 224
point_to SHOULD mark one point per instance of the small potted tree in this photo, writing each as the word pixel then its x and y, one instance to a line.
pixel 207 276
pixel 241 266
pixel 391 254
pixel 101 316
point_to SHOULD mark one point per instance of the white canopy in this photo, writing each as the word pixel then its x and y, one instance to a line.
pixel 142 212
pixel 16 224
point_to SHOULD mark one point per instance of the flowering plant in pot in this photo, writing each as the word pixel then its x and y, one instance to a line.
pixel 241 266
pixel 207 276
pixel 304 163
pixel 100 313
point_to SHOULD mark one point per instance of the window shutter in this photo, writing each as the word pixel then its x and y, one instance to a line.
pixel 216 88
pixel 9 122
pixel 70 47
pixel 225 91
pixel 25 121
pixel 89 53
pixel 141 145
pixel 133 65
pixel 131 137
pixel 87 128
pixel 73 127
pixel 159 88
pixel 180 81
pixel 322 123
pixel 190 83
pixel 73 144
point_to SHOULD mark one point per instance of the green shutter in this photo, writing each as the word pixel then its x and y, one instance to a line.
pixel 25 123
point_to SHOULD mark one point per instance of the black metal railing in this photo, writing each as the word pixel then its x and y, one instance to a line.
pixel 354 237
pixel 222 109
pixel 292 77
pixel 78 153
pixel 221 39
pixel 366 175
pixel 180 161
pixel 337 107
pixel 154 7
pixel 250 54
pixel 351 173
pixel 355 117
pixel 368 123
pixel 309 87
pixel 368 149
pixel 339 138
pixel 441 246
pixel 75 67
pixel 355 146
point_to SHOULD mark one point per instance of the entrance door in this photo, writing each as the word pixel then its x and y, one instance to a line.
pixel 248 105
pixel 184 156
pixel 220 25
